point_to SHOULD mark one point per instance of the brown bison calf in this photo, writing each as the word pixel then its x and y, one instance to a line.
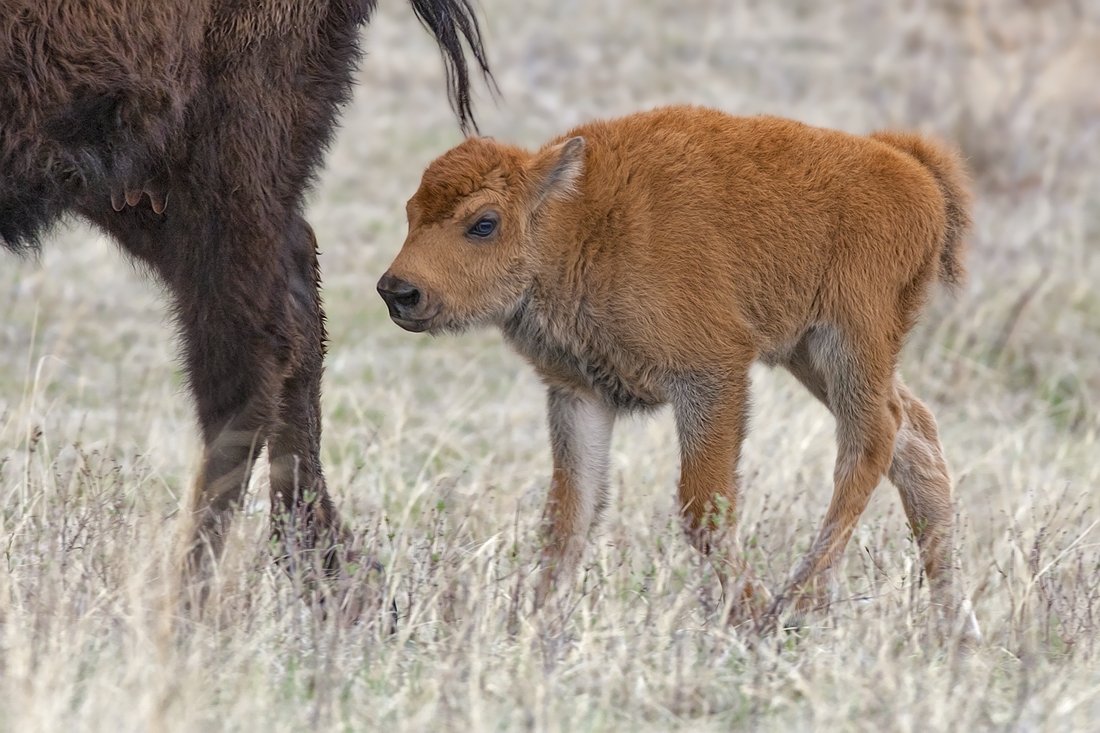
pixel 652 259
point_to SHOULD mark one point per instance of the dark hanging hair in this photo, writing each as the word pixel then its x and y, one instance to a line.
pixel 450 21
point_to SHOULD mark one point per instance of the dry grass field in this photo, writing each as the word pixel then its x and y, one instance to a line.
pixel 436 448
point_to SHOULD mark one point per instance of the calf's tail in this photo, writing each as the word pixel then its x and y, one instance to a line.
pixel 947 167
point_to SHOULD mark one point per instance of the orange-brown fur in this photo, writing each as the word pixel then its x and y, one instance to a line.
pixel 653 259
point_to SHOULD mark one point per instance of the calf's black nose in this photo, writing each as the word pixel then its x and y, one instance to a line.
pixel 401 297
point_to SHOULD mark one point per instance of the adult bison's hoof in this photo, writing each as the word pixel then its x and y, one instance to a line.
pixel 353 589
pixel 337 579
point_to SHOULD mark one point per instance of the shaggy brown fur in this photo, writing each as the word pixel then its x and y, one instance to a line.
pixel 218 112
pixel 652 259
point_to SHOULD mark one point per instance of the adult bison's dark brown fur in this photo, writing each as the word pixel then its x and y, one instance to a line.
pixel 189 130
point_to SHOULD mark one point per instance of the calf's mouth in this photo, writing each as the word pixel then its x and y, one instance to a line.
pixel 415 325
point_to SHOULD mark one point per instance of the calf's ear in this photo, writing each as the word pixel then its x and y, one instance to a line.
pixel 554 171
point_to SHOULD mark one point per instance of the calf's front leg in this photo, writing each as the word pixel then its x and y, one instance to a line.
pixel 711 419
pixel 580 440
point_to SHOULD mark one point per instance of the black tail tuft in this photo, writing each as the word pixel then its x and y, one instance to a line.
pixel 450 21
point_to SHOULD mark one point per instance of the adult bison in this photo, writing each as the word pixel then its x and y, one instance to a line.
pixel 189 130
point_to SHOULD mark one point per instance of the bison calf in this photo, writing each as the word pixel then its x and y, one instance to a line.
pixel 652 259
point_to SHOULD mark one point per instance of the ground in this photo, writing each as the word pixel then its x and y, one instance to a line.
pixel 436 448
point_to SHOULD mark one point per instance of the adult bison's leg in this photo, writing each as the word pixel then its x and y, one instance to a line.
pixel 300 506
pixel 227 270
pixel 306 528
pixel 239 340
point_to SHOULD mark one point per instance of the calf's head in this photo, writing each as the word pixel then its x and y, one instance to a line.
pixel 473 244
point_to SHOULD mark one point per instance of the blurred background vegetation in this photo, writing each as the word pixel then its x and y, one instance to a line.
pixel 436 448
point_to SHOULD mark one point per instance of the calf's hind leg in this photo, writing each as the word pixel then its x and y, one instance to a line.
pixel 919 472
pixel 854 379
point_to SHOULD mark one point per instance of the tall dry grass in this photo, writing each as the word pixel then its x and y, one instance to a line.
pixel 436 449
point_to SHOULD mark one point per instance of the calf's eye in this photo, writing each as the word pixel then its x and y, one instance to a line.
pixel 484 227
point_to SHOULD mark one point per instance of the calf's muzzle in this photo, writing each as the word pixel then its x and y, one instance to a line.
pixel 405 302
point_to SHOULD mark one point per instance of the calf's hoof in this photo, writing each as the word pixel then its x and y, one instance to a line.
pixel 958 623
pixel 795 606
pixel 747 601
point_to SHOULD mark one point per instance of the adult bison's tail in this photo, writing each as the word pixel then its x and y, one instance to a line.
pixel 450 21
pixel 947 167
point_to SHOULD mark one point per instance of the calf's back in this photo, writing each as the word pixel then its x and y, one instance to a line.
pixel 684 237
pixel 694 234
